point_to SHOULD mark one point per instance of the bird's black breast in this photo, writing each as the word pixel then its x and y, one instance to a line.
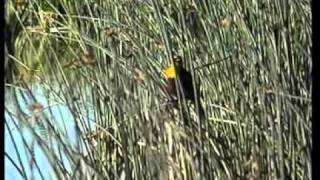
pixel 187 85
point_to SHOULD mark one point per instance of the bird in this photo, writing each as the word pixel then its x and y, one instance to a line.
pixel 176 73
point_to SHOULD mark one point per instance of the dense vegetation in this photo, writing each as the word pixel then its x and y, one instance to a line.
pixel 104 61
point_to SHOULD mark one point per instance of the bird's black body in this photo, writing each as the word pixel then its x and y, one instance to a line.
pixel 186 90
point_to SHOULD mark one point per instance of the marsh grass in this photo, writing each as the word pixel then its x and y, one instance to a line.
pixel 103 60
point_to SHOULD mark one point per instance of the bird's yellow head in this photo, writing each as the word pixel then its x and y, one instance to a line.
pixel 172 71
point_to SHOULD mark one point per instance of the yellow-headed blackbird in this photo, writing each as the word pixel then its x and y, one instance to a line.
pixel 186 90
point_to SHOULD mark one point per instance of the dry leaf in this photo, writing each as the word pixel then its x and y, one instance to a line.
pixel 226 23
pixel 139 75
